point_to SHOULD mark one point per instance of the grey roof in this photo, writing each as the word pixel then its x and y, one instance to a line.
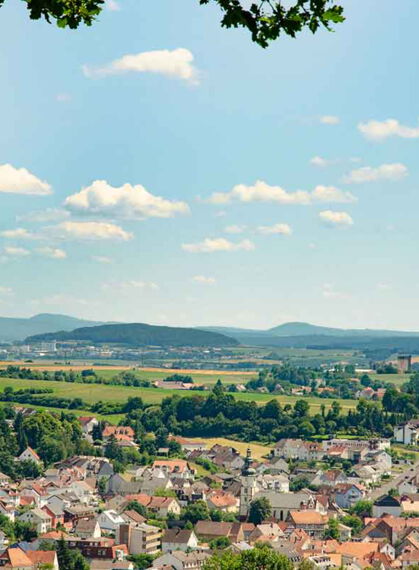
pixel 284 500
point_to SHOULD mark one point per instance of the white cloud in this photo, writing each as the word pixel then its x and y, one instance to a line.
pixel 131 284
pixel 263 192
pixel 52 252
pixel 384 287
pixel 395 171
pixel 63 98
pixel 234 229
pixel 88 231
pixel 210 245
pixel 332 194
pixel 381 130
pixel 204 280
pixel 102 259
pixel 127 201
pixel 21 181
pixel 176 63
pixel 336 219
pixel 329 292
pixel 329 120
pixel 16 251
pixel 18 233
pixel 283 229
pixel 6 291
pixel 320 162
pixel 112 6
pixel 47 215
pixel 260 192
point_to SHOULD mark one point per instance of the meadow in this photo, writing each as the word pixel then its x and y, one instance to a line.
pixel 396 379
pixel 92 393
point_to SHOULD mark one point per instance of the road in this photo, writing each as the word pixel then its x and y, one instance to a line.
pixel 395 482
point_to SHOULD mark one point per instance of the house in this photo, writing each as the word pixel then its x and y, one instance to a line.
pixel 110 520
pixel 208 530
pixel 178 539
pixel 311 522
pixel 140 538
pixel 387 505
pixel 189 445
pixel 407 433
pixel 283 503
pixel 16 558
pixel 38 519
pixel 4 541
pixel 181 560
pixel 88 423
pixel 409 558
pixel 88 528
pixel 266 532
pixel 43 559
pixel 331 478
pixel 120 433
pixel 175 467
pixel 222 501
pixel 347 495
pixel 111 565
pixel 29 455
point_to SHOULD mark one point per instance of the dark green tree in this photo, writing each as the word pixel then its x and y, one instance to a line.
pixel 260 509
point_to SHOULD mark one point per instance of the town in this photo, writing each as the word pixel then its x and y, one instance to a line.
pixel 105 496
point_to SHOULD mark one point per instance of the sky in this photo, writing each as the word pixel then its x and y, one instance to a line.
pixel 158 168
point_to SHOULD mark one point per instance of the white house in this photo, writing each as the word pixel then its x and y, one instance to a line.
pixel 29 455
pixel 407 433
pixel 37 518
pixel 109 521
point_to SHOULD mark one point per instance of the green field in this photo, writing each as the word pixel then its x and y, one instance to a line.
pixel 92 393
pixel 396 379
pixel 205 378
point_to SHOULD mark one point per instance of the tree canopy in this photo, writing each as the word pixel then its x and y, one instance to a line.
pixel 266 20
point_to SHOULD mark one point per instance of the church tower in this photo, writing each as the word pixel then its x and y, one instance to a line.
pixel 248 485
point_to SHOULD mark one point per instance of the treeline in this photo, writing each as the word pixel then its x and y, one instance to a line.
pixel 221 415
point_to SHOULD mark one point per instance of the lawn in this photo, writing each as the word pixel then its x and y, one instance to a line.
pixel 396 379
pixel 92 393
pixel 258 451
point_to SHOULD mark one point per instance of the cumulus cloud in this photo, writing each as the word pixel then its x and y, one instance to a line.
pixel 336 219
pixel 320 162
pixel 329 292
pixel 131 284
pixel 16 251
pixel 6 290
pixel 126 201
pixel 52 252
pixel 204 280
pixel 102 259
pixel 234 229
pixel 88 231
pixel 329 119
pixel 260 192
pixel 177 63
pixel 263 192
pixel 332 194
pixel 210 245
pixel 112 6
pixel 47 215
pixel 18 233
pixel 21 181
pixel 395 171
pixel 283 229
pixel 63 98
pixel 381 130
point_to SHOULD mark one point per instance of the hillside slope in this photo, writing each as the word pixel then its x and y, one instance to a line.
pixel 139 334
pixel 12 329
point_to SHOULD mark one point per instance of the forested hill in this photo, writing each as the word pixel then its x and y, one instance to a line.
pixel 138 334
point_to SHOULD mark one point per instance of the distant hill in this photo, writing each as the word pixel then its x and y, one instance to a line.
pixel 306 329
pixel 12 329
pixel 139 334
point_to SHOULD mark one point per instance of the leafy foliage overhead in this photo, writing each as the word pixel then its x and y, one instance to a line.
pixel 266 20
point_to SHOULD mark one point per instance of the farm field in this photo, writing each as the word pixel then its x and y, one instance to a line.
pixel 206 377
pixel 396 379
pixel 111 418
pixel 258 451
pixel 92 393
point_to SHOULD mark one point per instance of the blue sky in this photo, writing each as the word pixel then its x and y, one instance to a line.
pixel 139 198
